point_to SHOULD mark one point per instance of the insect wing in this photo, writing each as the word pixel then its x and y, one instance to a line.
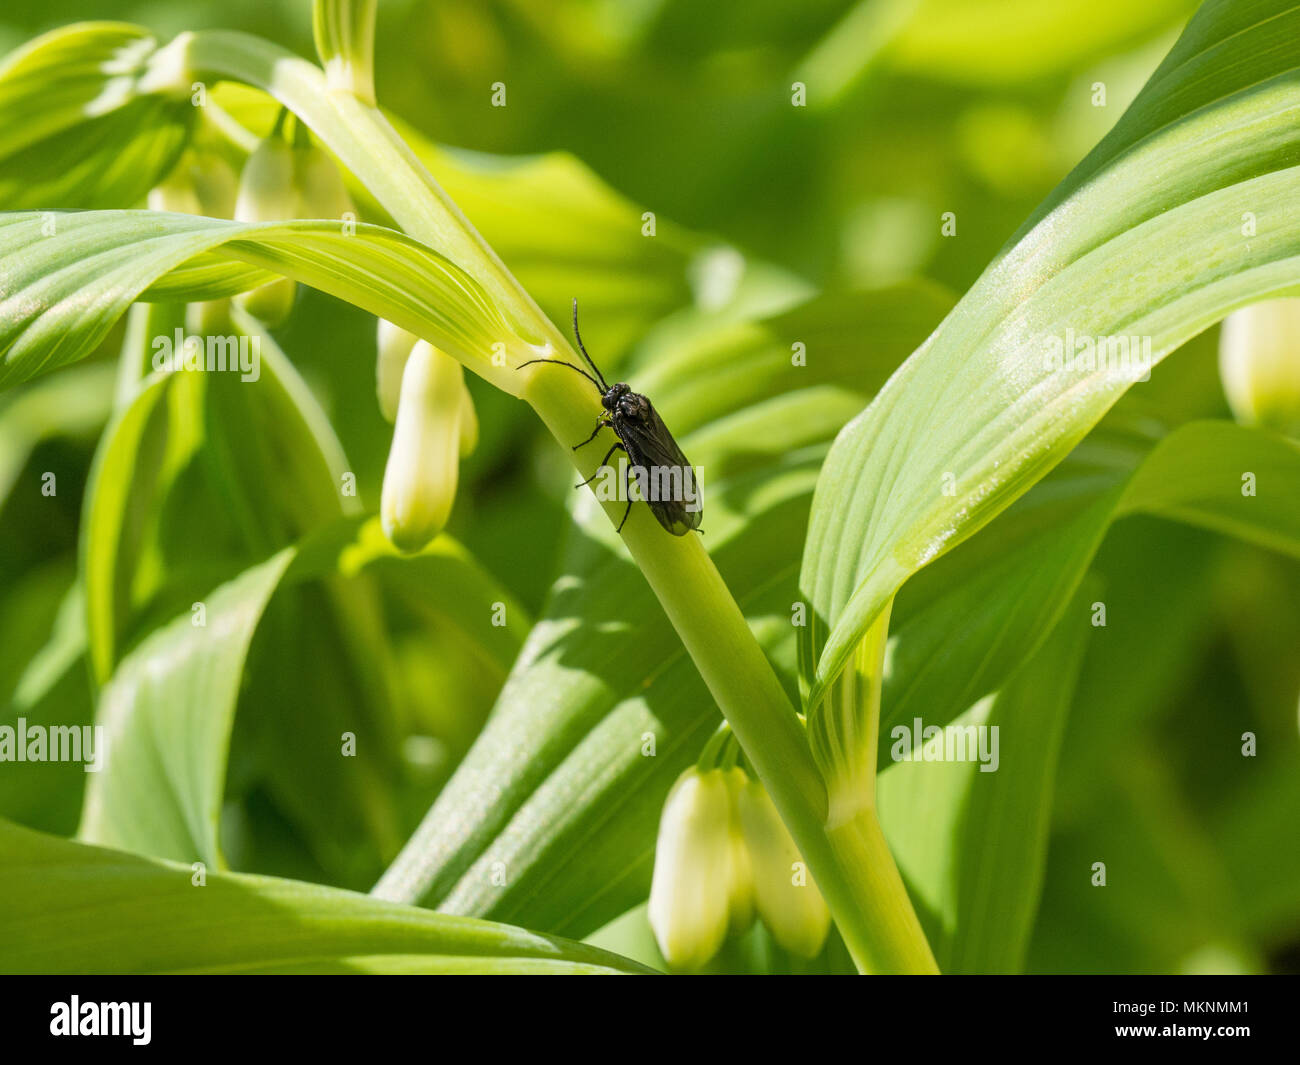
pixel 650 445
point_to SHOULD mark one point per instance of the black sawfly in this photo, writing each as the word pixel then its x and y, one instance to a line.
pixel 653 454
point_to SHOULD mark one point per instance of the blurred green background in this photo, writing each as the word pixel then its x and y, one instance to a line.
pixel 915 108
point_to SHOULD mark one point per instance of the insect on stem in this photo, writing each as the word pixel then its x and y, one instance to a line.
pixel 673 494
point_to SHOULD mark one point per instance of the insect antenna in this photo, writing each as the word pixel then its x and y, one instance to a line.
pixel 561 362
pixel 578 337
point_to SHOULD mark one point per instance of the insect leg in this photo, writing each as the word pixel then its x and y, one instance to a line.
pixel 617 447
pixel 600 424
pixel 627 490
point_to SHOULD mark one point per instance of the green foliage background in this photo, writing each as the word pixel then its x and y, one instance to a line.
pixel 978 107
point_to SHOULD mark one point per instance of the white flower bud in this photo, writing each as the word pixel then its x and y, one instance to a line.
pixel 787 899
pixel 202 183
pixel 1259 362
pixel 267 193
pixel 689 893
pixel 423 463
pixel 741 894
pixel 321 192
pixel 175 194
pixel 266 185
pixel 394 345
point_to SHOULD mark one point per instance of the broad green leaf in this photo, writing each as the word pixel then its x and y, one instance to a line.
pixel 558 786
pixel 971 841
pixel 82 124
pixel 974 879
pixel 1184 212
pixel 181 500
pixel 69 908
pixel 69 276
pixel 996 599
pixel 180 496
pixel 1224 477
pixel 169 708
pixel 167 713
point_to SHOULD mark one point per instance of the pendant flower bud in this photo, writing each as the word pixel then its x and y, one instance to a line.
pixel 200 184
pixel 740 897
pixel 321 192
pixel 267 194
pixel 423 463
pixel 394 345
pixel 787 899
pixel 691 888
pixel 1259 363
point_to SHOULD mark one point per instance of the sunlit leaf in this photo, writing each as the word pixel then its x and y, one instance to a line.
pixel 70 908
pixel 168 709
pixel 1183 213
pixel 80 123
pixel 69 276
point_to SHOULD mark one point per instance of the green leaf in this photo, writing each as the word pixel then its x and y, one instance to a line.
pixel 345 41
pixel 972 846
pixel 167 713
pixel 69 908
pixel 558 786
pixel 972 843
pixel 966 628
pixel 69 276
pixel 181 500
pixel 1145 239
pixel 169 708
pixel 80 123
pixel 180 496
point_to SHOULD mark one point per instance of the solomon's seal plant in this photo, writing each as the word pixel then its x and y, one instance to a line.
pixel 332 654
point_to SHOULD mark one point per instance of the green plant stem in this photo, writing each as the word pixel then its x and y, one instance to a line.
pixel 851 865
pixel 844 731
pixel 896 942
